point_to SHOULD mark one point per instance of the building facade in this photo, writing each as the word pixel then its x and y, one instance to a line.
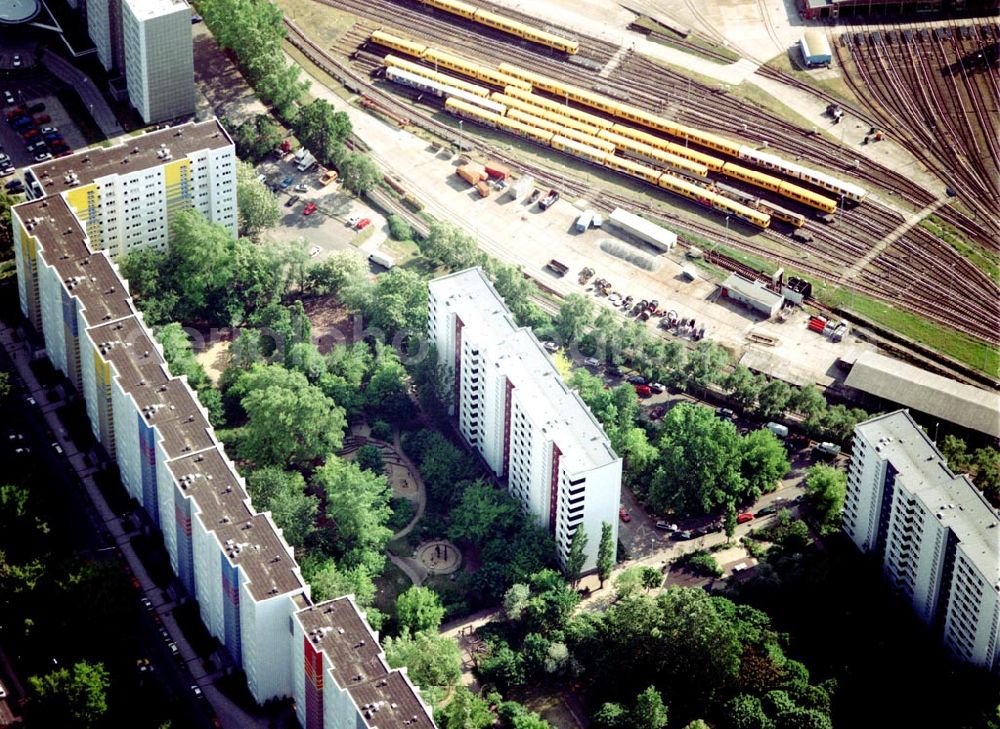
pixel 228 557
pixel 937 537
pixel 514 409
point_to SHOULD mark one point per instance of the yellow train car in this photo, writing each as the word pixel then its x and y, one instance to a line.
pixel 758 179
pixel 712 163
pixel 533 120
pixel 645 118
pixel 808 197
pixel 464 110
pixel 559 108
pixel 566 121
pixel 588 139
pixel 525 130
pixel 577 149
pixel 513 103
pixel 707 139
pixel 682 187
pixel 647 151
pixel 397 62
pixel 633 169
pixel 796 219
pixel 536 79
pixel 395 42
pixel 740 210
pixel 474 70
pixel 536 35
pixel 454 7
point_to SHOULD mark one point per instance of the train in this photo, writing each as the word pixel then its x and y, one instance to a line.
pixel 592 152
pixel 458 83
pixel 840 188
pixel 505 24
pixel 422 83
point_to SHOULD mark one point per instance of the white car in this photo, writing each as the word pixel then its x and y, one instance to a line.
pixel 353 220
pixel 42 157
pixel 300 188
pixel 8 97
pixel 3 692
pixel 57 447
pixel 315 251
pixel 17 62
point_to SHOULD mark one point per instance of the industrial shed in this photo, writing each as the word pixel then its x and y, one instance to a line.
pixel 643 229
pixel 896 382
pixel 752 293
pixel 815 49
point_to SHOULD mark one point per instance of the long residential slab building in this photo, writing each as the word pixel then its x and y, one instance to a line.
pixel 936 535
pixel 514 409
pixel 85 210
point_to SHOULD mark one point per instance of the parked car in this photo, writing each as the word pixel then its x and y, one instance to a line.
pixel 6 170
pixel 291 201
pixel 613 371
pixel 42 119
pixel 363 223
pixel 58 448
pixel 36 108
pixel 726 414
pixel 165 635
pixel 549 200
pixel 315 251
pixel 592 362
pixel 624 515
pixel 683 535
pixel 146 603
pixel 196 690
pixel 353 220
pixel 286 183
pixel 744 517
pixel 827 450
pixel 16 62
pixel 643 390
pixel 300 188
pixel 550 346
pixel 309 209
pixel 657 387
pixel 173 648
pixel 144 665
pixel 666 526
pixel 767 510
pixel 536 193
pixel 195 19
pixel 8 97
pixel 42 157
pixel 635 380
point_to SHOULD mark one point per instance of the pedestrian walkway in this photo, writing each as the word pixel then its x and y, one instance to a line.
pixel 84 86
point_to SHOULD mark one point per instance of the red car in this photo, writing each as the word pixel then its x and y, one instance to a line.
pixel 42 119
pixel 623 513
pixel 744 518
pixel 30 134
pixel 309 209
pixel 643 390
pixel 363 223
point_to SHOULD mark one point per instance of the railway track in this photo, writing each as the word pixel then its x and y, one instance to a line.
pixel 826 264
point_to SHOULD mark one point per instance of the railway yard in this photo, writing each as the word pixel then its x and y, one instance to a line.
pixel 857 222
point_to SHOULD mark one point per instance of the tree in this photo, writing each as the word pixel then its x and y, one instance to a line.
pixel 450 246
pixel 256 205
pixel 431 660
pixel 464 711
pixel 956 453
pixel 501 666
pixel 419 609
pixel 397 303
pixel 341 271
pixel 763 461
pixel 387 393
pixel 256 138
pixel 70 698
pixel 369 458
pixel 399 229
pixel 743 387
pixel 305 357
pixel 322 130
pixel 827 488
pixel 605 553
pixel 705 364
pixel 145 271
pixel 987 464
pixel 808 401
pixel 201 268
pixel 295 514
pixel 265 484
pixel 282 87
pixel 182 362
pixel 649 711
pixel 575 315
pixel 745 712
pixel 357 503
pixel 358 172
pixel 288 420
pixel 328 581
pixel 773 400
pixel 699 468
pixel 650 577
pixel 612 716
pixel 482 512
pixel 576 556
pixel 730 522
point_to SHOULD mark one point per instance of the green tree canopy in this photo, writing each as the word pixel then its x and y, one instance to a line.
pixel 265 484
pixel 65 697
pixel 464 711
pixel 357 504
pixel 576 556
pixel 322 130
pixel 606 552
pixel 762 462
pixel 255 203
pixel 575 314
pixel 419 609
pixel 358 172
pixel 432 661
pixel 328 581
pixel 827 488
pixel 650 711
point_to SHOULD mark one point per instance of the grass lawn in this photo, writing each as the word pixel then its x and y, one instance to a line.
pixel 986 261
pixel 392 583
pixel 402 250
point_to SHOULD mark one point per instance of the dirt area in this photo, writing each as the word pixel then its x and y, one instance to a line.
pixel 331 323
pixel 214 358
pixel 220 87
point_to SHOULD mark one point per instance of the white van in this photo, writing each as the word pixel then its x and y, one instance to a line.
pixel 778 429
pixel 382 260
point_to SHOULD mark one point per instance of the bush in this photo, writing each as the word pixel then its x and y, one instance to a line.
pixel 702 563
pixel 381 430
pixel 369 458
pixel 399 229
pixel 403 511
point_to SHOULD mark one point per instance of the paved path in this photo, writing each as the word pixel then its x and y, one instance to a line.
pixel 99 109
pixel 891 238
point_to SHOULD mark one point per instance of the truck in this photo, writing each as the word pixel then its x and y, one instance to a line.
pixel 306 162
pixel 557 267
pixel 328 177
pixel 584 220
pixel 778 429
pixel 497 171
pixel 522 187
pixel 549 200
pixel 382 260
pixel 483 189
pixel 471 173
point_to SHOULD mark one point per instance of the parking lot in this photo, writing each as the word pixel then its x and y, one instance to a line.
pixel 327 229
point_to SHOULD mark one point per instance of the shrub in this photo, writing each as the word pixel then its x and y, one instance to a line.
pixel 399 229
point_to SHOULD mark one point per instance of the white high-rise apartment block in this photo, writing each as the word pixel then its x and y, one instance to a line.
pixel 936 535
pixel 513 407
pixel 159 57
pixel 231 559
pixel 100 23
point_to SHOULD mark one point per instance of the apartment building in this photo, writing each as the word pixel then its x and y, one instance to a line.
pixel 231 559
pixel 936 535
pixel 514 409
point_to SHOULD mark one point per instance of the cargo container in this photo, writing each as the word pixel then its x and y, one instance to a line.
pixel 584 220
pixel 522 187
pixel 778 429
pixel 472 173
pixel 817 323
pixel 483 189
pixel 497 171
pixel 557 267
pixel 643 229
